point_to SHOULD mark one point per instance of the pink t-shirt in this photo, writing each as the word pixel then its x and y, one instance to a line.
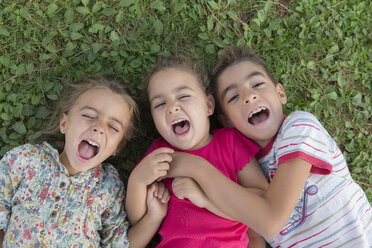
pixel 187 225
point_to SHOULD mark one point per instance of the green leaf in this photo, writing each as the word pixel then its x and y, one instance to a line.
pixel 203 36
pixel 311 65
pixel 85 2
pixel 119 17
pixel 82 10
pixel 127 3
pixel 76 26
pixel 332 95
pixel 159 6
pixel 3 133
pixel 41 112
pixel 19 128
pixel 213 5
pixel 69 15
pixel 53 97
pixel 51 9
pixel 158 27
pixel 108 11
pixel 96 47
pixel 341 80
pixel 155 48
pixel 261 15
pixel 210 23
pixel 25 14
pixel 75 36
pixel 4 31
pixel 5 116
pixel 357 100
pixel 97 7
pixel 114 36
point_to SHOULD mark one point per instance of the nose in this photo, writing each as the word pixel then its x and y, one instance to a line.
pixel 98 128
pixel 249 96
pixel 173 107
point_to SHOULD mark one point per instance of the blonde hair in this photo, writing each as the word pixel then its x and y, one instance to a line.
pixel 107 82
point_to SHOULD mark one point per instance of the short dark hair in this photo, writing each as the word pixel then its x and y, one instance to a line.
pixel 234 55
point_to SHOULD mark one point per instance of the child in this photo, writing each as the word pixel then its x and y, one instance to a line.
pixel 180 107
pixel 312 200
pixel 70 197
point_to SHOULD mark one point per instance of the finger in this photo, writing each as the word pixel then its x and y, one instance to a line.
pixel 163 157
pixel 161 189
pixel 163 166
pixel 150 191
pixel 166 196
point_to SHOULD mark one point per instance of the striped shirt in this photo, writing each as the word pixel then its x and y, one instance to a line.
pixel 333 211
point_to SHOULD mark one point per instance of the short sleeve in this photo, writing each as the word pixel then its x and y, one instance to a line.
pixel 12 170
pixel 304 137
pixel 115 226
pixel 244 149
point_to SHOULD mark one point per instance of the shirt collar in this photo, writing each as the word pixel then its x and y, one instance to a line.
pixel 265 150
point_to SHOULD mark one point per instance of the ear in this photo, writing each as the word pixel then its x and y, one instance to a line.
pixel 224 121
pixel 210 105
pixel 281 93
pixel 63 123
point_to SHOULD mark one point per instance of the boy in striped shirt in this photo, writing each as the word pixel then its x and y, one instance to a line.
pixel 312 200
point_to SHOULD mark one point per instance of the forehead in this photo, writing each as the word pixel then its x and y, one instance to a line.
pixel 239 73
pixel 172 79
pixel 103 100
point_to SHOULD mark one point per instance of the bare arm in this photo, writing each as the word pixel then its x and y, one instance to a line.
pixel 266 214
pixel 143 231
pixel 185 187
pixel 153 166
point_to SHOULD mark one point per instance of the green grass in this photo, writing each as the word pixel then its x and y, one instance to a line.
pixel 319 50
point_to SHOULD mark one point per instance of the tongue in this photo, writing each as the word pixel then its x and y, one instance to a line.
pixel 258 118
pixel 86 151
pixel 182 128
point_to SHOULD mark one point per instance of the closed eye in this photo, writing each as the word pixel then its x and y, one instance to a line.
pixel 88 116
pixel 159 105
pixel 234 97
pixel 183 97
pixel 114 128
pixel 258 84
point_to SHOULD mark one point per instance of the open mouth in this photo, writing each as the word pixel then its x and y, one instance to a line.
pixel 88 149
pixel 259 115
pixel 181 126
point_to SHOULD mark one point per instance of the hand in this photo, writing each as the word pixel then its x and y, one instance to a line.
pixel 184 187
pixel 157 200
pixel 154 166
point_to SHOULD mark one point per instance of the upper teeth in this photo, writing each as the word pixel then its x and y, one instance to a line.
pixel 92 143
pixel 256 111
pixel 178 121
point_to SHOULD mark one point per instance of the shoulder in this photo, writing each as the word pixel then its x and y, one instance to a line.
pixel 301 120
pixel 23 152
pixel 108 176
pixel 232 137
pixel 300 116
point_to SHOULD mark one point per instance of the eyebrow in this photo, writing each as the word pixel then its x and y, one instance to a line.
pixel 177 89
pixel 234 85
pixel 95 110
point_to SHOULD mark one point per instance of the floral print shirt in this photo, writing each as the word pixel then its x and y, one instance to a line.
pixel 42 206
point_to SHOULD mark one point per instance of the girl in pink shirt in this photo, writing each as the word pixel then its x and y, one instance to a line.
pixel 180 107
